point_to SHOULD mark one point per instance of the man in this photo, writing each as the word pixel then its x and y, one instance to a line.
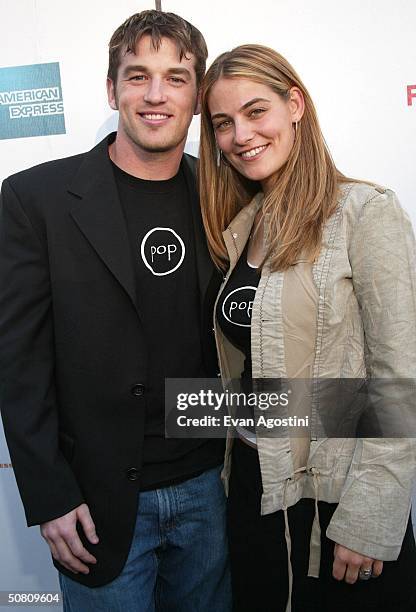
pixel 104 277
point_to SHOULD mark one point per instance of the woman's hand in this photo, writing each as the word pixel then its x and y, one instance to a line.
pixel 347 564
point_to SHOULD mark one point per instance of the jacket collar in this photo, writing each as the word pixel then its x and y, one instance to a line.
pixel 99 215
pixel 238 231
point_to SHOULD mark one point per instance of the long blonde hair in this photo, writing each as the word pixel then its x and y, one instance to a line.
pixel 305 193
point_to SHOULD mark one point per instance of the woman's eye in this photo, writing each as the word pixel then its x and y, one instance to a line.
pixel 256 112
pixel 223 125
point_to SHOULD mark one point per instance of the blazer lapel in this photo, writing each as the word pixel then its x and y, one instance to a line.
pixel 99 215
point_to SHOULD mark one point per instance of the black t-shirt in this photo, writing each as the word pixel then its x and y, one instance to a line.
pixel 235 306
pixel 160 230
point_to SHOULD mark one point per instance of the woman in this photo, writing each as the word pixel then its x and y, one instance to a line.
pixel 319 284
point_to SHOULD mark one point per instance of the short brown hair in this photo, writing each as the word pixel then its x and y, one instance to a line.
pixel 157 25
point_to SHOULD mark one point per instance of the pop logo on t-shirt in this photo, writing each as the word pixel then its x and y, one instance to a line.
pixel 238 305
pixel 162 251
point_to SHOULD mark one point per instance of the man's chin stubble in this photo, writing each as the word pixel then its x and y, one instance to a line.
pixel 163 147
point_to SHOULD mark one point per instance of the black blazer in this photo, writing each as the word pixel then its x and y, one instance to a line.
pixel 72 350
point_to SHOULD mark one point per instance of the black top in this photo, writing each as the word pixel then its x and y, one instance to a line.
pixel 234 308
pixel 159 225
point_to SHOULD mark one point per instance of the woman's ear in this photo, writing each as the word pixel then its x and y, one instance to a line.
pixel 296 103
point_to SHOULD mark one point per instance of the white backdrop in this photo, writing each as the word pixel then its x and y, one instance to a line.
pixel 357 58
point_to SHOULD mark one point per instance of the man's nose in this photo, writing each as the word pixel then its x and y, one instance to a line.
pixel 155 92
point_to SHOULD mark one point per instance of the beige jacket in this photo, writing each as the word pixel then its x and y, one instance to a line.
pixel 366 281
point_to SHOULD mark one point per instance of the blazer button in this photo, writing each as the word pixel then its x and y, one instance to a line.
pixel 137 390
pixel 132 473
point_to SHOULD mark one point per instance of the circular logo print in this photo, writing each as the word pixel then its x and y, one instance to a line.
pixel 162 251
pixel 238 305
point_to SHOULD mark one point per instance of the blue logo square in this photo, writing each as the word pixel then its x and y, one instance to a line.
pixel 31 101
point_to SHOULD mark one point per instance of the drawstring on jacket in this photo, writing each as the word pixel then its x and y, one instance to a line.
pixel 315 541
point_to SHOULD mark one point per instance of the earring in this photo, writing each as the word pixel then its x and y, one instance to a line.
pixel 296 128
pixel 223 159
pixel 218 157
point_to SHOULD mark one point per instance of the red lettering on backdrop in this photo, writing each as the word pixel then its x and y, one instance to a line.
pixel 411 93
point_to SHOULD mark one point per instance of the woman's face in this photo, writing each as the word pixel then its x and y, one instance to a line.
pixel 253 126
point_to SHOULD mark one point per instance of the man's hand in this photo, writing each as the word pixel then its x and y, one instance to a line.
pixel 64 542
pixel 348 563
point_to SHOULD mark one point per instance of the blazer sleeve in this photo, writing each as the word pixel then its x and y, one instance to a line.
pixel 28 400
pixel 373 511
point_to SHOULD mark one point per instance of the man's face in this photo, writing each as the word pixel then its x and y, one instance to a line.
pixel 156 96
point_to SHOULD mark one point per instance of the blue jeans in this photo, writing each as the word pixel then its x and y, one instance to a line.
pixel 178 560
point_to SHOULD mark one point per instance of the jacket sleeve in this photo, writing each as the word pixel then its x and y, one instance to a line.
pixel 373 511
pixel 28 399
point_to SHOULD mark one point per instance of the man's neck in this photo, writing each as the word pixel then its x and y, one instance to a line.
pixel 146 165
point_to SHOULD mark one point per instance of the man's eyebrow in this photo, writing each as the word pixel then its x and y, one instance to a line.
pixel 244 107
pixel 180 70
pixel 133 68
pixel 174 70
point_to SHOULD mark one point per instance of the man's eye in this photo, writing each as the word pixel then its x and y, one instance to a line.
pixel 137 77
pixel 177 80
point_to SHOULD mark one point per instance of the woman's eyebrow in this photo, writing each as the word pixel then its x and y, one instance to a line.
pixel 246 105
